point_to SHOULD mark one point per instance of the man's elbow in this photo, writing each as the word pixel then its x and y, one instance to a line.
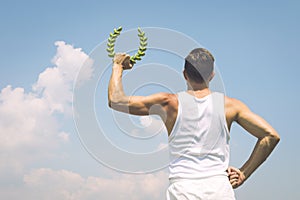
pixel 115 104
pixel 274 138
pixel 271 139
pixel 112 104
pixel 112 101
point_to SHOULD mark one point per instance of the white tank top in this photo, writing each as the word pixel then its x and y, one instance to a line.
pixel 199 141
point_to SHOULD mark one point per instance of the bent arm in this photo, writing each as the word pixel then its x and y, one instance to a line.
pixel 136 105
pixel 267 138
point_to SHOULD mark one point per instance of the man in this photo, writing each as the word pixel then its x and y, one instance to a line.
pixel 198 123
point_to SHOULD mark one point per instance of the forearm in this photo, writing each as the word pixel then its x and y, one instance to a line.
pixel 261 151
pixel 115 89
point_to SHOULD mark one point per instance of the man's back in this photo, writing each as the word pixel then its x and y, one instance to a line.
pixel 199 141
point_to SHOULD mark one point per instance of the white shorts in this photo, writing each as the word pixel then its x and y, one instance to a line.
pixel 211 188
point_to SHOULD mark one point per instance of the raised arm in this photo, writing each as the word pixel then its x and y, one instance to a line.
pixel 267 139
pixel 162 104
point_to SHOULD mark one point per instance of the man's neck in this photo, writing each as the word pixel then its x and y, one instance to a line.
pixel 197 86
pixel 198 90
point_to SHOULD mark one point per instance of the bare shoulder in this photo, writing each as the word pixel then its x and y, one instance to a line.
pixel 171 99
pixel 232 103
pixel 233 107
pixel 166 100
pixel 165 97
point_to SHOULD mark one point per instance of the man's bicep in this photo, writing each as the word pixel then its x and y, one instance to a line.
pixel 131 105
pixel 145 105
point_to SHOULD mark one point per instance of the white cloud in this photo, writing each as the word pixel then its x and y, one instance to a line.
pixel 151 125
pixel 65 185
pixel 56 83
pixel 24 119
pixel 27 130
pixel 29 127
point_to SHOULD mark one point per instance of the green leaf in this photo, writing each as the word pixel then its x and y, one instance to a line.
pixel 111 40
pixel 111 55
pixel 132 59
pixel 116 32
pixel 110 50
pixel 137 57
pixel 140 30
pixel 142 48
pixel 120 28
pixel 141 34
pixel 110 45
pixel 143 44
pixel 112 35
pixel 143 39
pixel 141 53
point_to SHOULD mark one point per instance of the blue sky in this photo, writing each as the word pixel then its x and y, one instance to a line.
pixel 256 46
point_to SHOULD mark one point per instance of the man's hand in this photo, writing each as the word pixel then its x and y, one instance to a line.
pixel 124 60
pixel 236 177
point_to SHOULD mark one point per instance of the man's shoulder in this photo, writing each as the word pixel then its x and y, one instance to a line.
pixel 232 102
pixel 173 99
pixel 235 106
pixel 167 98
pixel 166 95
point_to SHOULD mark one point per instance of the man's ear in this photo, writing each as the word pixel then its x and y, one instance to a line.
pixel 184 74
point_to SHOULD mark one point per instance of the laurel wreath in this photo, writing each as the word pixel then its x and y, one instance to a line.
pixel 142 48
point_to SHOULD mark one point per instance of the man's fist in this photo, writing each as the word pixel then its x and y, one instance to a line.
pixel 124 60
pixel 236 177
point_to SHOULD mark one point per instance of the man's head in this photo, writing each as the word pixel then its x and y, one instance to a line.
pixel 199 66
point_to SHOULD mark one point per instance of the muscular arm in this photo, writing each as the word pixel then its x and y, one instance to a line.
pixel 136 105
pixel 267 137
pixel 162 104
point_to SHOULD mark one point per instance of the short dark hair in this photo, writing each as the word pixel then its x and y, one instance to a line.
pixel 199 65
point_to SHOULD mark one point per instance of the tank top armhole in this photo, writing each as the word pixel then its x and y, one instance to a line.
pixel 175 127
pixel 224 115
